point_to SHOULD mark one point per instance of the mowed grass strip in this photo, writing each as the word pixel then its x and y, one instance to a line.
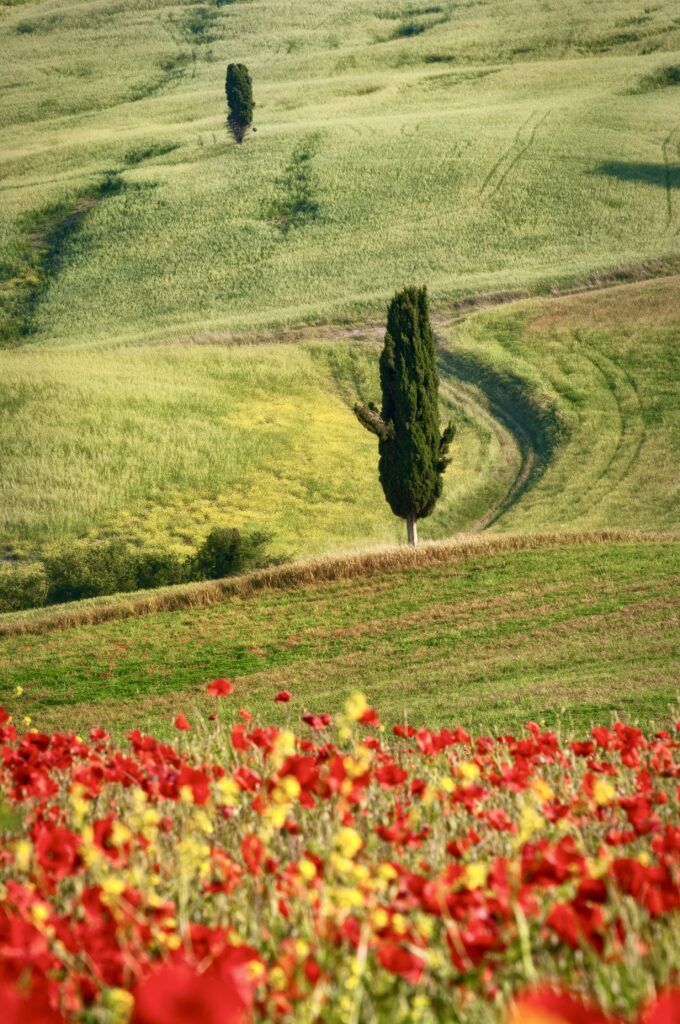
pixel 575 633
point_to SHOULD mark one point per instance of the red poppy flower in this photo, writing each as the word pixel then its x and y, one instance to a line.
pixel 401 961
pixel 57 851
pixel 390 775
pixel 665 1009
pixel 283 696
pixel 317 721
pixel 220 688
pixel 548 1006
pixel 370 717
pixel 26 1009
pixel 182 723
pixel 180 995
pixel 252 851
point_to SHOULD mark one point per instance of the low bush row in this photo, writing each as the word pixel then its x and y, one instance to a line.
pixel 94 569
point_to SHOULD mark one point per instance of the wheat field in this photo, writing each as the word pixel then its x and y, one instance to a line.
pixel 505 148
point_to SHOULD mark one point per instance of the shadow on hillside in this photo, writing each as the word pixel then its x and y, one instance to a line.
pixel 651 174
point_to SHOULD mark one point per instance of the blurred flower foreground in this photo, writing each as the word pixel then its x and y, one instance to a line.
pixel 335 871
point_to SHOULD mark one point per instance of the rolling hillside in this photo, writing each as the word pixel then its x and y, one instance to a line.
pixel 504 147
pixel 485 635
pixel 296 769
pixel 474 146
pixel 185 325
pixel 158 444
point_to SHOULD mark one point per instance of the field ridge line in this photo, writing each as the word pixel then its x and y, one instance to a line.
pixel 322 569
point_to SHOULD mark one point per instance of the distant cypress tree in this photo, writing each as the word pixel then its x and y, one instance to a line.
pixel 413 450
pixel 239 90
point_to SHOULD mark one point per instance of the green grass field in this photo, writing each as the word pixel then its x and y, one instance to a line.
pixel 182 339
pixel 158 444
pixel 572 633
pixel 474 146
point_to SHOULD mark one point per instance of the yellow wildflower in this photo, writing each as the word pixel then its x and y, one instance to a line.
pixel 284 746
pixel 228 791
pixel 530 822
pixel 291 787
pixel 475 875
pixel 380 918
pixel 399 924
pixel 277 978
pixel 603 791
pixel 255 969
pixel 276 815
pixel 542 789
pixel 388 872
pixel 23 852
pixel 347 897
pixel 356 706
pixel 113 886
pixel 349 842
pixel 468 770
pixel 40 913
pixel 201 820
pixel 307 869
pixel 120 1003
pixel 120 833
pixel 356 766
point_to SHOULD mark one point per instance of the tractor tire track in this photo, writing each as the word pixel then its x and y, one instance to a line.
pixel 518 458
pixel 521 153
pixel 506 153
pixel 631 434
pixel 512 155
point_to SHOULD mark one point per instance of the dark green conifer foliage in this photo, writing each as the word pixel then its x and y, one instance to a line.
pixel 239 90
pixel 412 448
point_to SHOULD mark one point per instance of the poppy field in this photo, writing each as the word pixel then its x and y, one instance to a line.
pixel 338 871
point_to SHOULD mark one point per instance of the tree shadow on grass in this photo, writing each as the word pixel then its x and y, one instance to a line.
pixel 663 175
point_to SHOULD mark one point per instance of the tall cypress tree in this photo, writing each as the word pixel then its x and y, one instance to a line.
pixel 412 448
pixel 239 89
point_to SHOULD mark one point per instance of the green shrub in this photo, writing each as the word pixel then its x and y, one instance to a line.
pixel 408 29
pixel 90 570
pixel 199 26
pixel 95 569
pixel 225 552
pixel 159 569
pixel 22 585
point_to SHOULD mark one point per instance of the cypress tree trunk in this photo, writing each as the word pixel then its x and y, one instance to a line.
pixel 412 530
